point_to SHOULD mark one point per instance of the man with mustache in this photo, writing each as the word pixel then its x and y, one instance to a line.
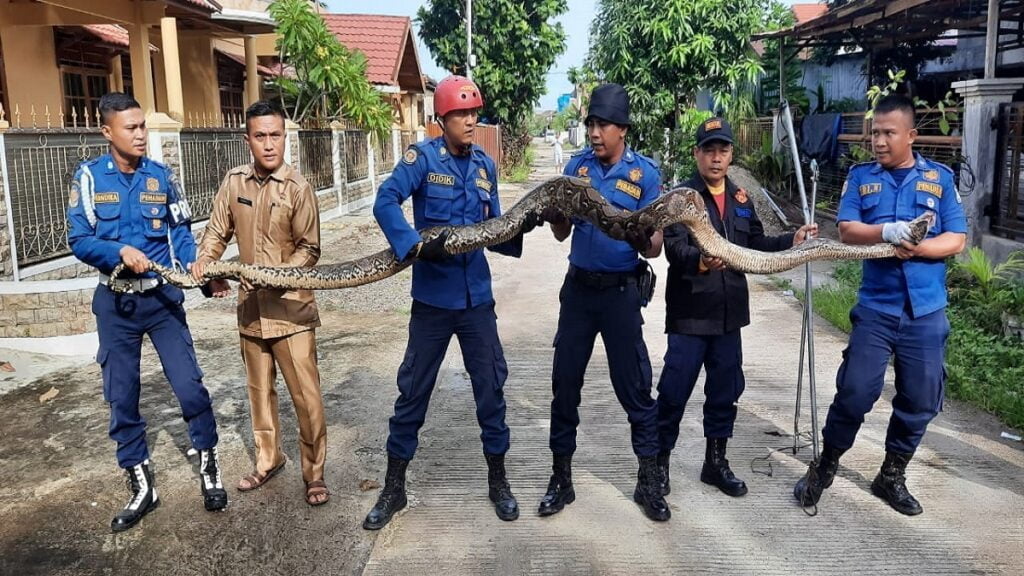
pixel 451 182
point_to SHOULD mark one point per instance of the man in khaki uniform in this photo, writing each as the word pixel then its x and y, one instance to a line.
pixel 272 211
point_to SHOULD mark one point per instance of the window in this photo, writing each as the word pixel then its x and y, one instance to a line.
pixel 82 91
pixel 231 104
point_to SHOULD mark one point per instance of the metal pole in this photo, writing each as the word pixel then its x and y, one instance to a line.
pixel 469 39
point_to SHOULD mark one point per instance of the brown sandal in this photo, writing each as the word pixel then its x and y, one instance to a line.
pixel 255 479
pixel 315 489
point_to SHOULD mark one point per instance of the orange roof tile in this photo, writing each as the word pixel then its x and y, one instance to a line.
pixel 805 12
pixel 380 38
pixel 112 34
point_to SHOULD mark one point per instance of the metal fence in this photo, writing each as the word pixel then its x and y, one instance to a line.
pixel 207 155
pixel 1008 193
pixel 486 136
pixel 384 155
pixel 357 162
pixel 315 158
pixel 40 167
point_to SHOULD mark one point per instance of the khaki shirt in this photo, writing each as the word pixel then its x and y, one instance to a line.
pixel 277 223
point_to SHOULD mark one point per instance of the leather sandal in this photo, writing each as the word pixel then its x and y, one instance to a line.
pixel 255 479
pixel 315 489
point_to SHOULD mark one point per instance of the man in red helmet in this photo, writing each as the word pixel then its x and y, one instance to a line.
pixel 451 182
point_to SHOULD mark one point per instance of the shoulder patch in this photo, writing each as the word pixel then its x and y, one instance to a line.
pixel 741 196
pixel 410 156
pixel 74 195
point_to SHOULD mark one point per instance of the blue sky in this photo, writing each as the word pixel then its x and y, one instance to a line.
pixel 576 23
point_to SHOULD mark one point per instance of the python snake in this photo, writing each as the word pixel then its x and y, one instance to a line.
pixel 574 198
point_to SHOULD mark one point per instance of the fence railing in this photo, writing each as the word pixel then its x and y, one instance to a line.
pixel 1007 207
pixel 40 168
pixel 207 155
pixel 315 158
pixel 383 156
pixel 357 160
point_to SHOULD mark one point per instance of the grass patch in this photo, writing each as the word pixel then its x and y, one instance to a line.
pixel 520 173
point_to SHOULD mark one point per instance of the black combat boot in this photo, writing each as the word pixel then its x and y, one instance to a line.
pixel 663 458
pixel 819 476
pixel 214 495
pixel 142 484
pixel 649 486
pixel 498 490
pixel 392 496
pixel 891 484
pixel 716 471
pixel 560 491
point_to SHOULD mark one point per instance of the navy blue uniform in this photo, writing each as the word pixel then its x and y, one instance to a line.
pixel 600 296
pixel 900 309
pixel 704 313
pixel 452 297
pixel 108 210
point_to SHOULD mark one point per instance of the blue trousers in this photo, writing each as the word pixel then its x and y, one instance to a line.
pixel 614 313
pixel 430 331
pixel 918 345
pixel 122 320
pixel 722 358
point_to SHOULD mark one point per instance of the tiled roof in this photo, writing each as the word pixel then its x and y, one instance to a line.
pixel 260 69
pixel 204 4
pixel 112 34
pixel 380 38
pixel 805 12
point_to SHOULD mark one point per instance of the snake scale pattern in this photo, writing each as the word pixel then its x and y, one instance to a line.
pixel 574 198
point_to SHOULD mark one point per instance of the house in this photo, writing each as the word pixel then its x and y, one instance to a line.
pixel 392 64
pixel 185 58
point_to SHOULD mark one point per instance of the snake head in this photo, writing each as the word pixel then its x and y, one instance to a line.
pixel 690 203
pixel 919 226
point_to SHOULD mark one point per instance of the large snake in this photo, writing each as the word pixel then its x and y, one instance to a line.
pixel 573 197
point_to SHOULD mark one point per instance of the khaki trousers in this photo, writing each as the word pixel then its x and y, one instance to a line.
pixel 295 355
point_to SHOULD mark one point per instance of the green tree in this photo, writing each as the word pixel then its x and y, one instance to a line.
pixel 665 51
pixel 515 41
pixel 781 16
pixel 329 80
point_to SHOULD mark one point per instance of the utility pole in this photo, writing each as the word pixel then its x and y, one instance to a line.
pixel 469 39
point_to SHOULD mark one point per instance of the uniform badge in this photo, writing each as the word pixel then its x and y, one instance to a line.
pixel 443 179
pixel 154 211
pixel 482 172
pixel 934 189
pixel 157 223
pixel 741 196
pixel 152 184
pixel 931 175
pixel 410 156
pixel 713 124
pixel 443 152
pixel 631 189
pixel 74 195
pixel 106 198
pixel 636 174
pixel 582 171
pixel 931 202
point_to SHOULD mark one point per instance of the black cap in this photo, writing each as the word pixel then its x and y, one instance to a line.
pixel 714 129
pixel 609 102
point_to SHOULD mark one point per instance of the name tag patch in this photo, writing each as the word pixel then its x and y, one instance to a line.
pixel 443 179
pixel 933 189
pixel 106 198
pixel 483 184
pixel 743 212
pixel 245 201
pixel 632 189
pixel 151 198
pixel 866 189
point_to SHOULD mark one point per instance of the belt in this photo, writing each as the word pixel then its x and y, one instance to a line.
pixel 601 279
pixel 136 285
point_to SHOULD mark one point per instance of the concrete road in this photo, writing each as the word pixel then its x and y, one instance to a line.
pixel 59 485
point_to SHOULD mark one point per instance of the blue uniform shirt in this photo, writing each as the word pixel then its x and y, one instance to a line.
pixel 107 211
pixel 633 183
pixel 871 196
pixel 442 194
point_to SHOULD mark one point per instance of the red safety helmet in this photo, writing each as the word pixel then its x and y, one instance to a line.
pixel 456 93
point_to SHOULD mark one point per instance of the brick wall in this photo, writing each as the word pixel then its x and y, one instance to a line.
pixel 37 315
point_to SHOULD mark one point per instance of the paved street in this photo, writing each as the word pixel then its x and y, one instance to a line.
pixel 59 484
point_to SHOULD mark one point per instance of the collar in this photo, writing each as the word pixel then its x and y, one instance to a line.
pixel 111 167
pixel 281 174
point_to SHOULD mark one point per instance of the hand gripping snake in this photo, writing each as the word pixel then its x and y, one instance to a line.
pixel 574 198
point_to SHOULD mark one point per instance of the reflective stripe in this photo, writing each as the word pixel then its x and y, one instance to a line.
pixel 87 189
